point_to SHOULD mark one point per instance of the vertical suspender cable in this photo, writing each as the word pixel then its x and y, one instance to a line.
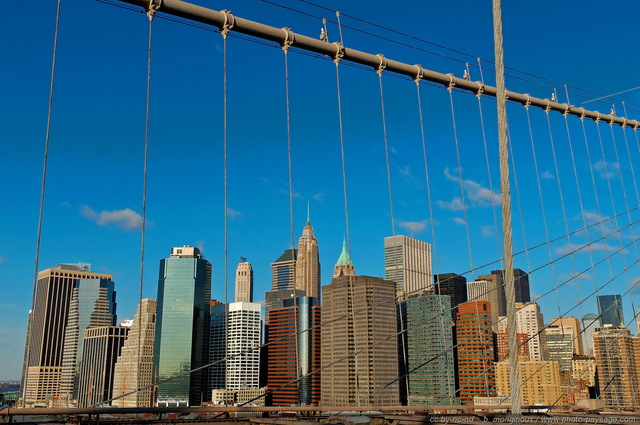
pixel 150 14
pixel 225 171
pixel 44 173
pixel 501 101
pixel 285 49
pixel 342 157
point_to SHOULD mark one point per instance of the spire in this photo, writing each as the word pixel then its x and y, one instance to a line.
pixel 344 258
pixel 344 266
pixel 308 213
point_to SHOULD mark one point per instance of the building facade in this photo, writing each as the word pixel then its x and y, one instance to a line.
pixel 307 276
pixel 283 271
pixel 42 372
pixel 100 351
pixel 182 329
pixel 134 366
pixel 359 345
pixel 610 310
pixel 293 353
pixel 244 282
pixel 430 357
pixel 485 289
pixel 236 334
pixel 407 262
pixel 476 356
pixel 452 285
pixel 539 382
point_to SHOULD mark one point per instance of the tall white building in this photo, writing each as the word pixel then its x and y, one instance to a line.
pixel 244 282
pixel 235 328
pixel 530 321
pixel 407 262
pixel 134 366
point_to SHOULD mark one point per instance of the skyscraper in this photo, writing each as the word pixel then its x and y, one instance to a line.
pixel 486 289
pixel 430 350
pixel 610 310
pixel 182 332
pixel 344 266
pixel 359 344
pixel 93 303
pixel 100 350
pixel 452 285
pixel 134 365
pixel 47 324
pixel 236 334
pixel 308 263
pixel 474 336
pixel 407 261
pixel 293 352
pixel 521 286
pixel 530 321
pixel 283 271
pixel 617 355
pixel 244 282
pixel 590 322
pixel 571 326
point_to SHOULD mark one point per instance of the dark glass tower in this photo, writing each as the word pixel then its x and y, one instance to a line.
pixel 610 310
pixel 182 336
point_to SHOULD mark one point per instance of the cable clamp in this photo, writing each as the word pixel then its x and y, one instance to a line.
pixel 383 64
pixel 229 23
pixel 452 82
pixel 418 76
pixel 624 122
pixel 583 115
pixel 598 117
pixel 154 6
pixel 339 52
pixel 567 109
pixel 506 94
pixel 528 102
pixel 480 90
pixel 288 39
pixel 548 107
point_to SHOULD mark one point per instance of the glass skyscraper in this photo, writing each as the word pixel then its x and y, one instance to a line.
pixel 610 310
pixel 182 333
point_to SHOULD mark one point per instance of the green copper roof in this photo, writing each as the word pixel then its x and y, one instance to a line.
pixel 344 256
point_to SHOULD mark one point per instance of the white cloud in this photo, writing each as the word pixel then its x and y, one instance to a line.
pixel 65 204
pixel 459 220
pixel 232 214
pixel 414 226
pixel 546 175
pixel 607 170
pixel 319 197
pixel 571 248
pixel 405 170
pixel 125 219
pixel 487 231
pixel 476 195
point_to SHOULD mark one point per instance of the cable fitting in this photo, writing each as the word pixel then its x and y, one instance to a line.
pixel 597 120
pixel 548 107
pixel 383 64
pixel 418 76
pixel 288 39
pixel 229 23
pixel 154 6
pixel 567 109
pixel 339 52
pixel 583 115
pixel 480 90
pixel 528 102
pixel 452 82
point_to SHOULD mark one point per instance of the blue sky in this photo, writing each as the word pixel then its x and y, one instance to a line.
pixel 94 186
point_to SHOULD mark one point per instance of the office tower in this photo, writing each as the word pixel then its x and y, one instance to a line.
pixel 182 330
pixel 236 334
pixel 502 345
pixel 244 282
pixel 590 322
pixel 430 350
pixel 283 271
pixel 570 326
pixel 47 325
pixel 308 263
pixel 359 345
pixel 530 321
pixel 521 286
pixel 293 353
pixel 617 355
pixel 610 310
pixel 407 261
pixel 486 290
pixel 453 285
pixel 476 356
pixel 559 347
pixel 344 266
pixel 93 303
pixel 100 350
pixel 134 365
pixel 539 382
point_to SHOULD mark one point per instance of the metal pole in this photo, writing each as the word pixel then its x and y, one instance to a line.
pixel 335 50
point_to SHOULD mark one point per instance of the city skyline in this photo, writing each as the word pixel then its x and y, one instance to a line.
pixel 92 209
